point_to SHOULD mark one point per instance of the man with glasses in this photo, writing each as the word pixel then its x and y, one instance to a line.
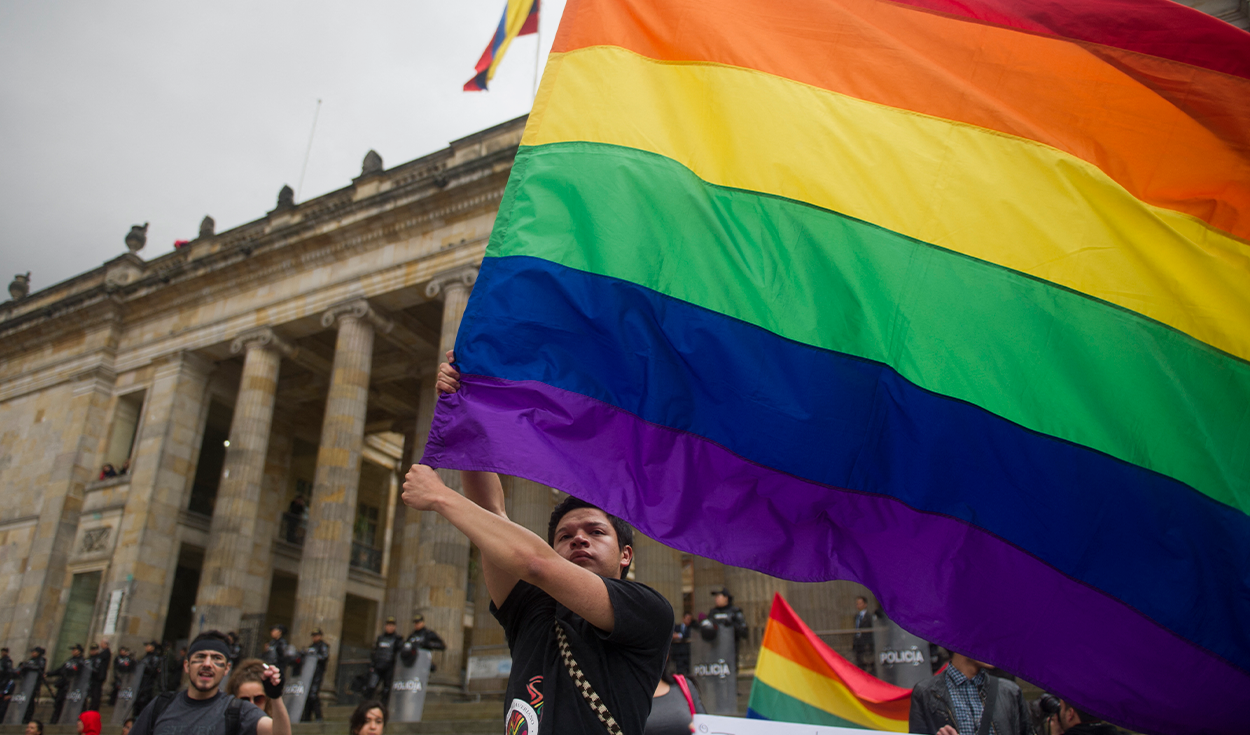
pixel 211 711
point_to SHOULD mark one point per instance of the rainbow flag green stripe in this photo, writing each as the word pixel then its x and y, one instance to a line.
pixel 869 292
pixel 784 708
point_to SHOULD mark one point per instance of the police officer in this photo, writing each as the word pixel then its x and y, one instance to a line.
pixel 101 657
pixel 725 615
pixel 420 637
pixel 123 664
pixel 36 663
pixel 65 676
pixel 234 648
pixel 153 669
pixel 383 661
pixel 276 649
pixel 317 652
pixel 6 680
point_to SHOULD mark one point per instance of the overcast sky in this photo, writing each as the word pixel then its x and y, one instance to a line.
pixel 120 113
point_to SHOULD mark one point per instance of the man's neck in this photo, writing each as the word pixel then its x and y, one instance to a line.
pixel 196 694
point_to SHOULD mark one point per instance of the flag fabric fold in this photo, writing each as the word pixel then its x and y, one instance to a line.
pixel 799 678
pixel 950 299
pixel 520 18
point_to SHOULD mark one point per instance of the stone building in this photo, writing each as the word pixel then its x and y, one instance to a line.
pixel 292 356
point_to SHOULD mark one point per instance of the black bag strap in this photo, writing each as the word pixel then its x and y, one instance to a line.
pixel 583 684
pixel 233 713
pixel 162 701
pixel 987 706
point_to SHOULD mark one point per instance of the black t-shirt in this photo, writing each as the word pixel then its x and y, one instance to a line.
pixel 187 716
pixel 623 666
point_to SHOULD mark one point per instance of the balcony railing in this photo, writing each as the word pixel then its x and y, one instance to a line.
pixel 366 557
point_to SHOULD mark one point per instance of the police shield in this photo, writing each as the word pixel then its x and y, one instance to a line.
pixel 127 688
pixel 79 689
pixel 295 692
pixel 408 688
pixel 23 693
pixel 902 658
pixel 714 664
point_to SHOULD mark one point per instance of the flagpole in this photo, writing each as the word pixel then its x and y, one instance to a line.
pixel 538 52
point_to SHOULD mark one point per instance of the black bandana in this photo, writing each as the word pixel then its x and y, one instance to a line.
pixel 209 644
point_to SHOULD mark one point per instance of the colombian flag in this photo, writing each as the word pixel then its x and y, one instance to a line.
pixel 947 297
pixel 800 679
pixel 520 18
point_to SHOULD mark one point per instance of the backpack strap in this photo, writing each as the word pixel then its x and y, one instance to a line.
pixel 685 690
pixel 158 706
pixel 583 684
pixel 233 712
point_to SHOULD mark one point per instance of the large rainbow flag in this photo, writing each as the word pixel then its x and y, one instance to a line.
pixel 948 297
pixel 799 678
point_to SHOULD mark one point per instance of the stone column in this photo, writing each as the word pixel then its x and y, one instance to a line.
pixel 659 567
pixel 443 556
pixel 228 578
pixel 166 453
pixel 402 578
pixel 324 565
pixel 37 614
pixel 753 592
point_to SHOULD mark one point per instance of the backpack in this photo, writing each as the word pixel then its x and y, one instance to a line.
pixel 233 711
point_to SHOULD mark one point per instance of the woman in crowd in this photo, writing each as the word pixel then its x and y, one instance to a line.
pixel 247 683
pixel 673 706
pixel 369 718
pixel 89 723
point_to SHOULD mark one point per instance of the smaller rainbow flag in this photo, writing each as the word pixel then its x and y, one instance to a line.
pixel 520 18
pixel 800 679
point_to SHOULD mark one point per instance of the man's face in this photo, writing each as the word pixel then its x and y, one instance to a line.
pixel 206 669
pixel 687 618
pixel 585 537
pixel 418 626
pixel 316 637
pixel 389 628
pixel 32 728
pixel 722 600
pixel 861 603
pixel 148 648
pixel 275 634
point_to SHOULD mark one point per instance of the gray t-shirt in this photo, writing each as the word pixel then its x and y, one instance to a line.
pixel 186 716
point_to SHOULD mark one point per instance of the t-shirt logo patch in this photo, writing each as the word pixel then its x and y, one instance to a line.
pixel 522 720
pixel 523 716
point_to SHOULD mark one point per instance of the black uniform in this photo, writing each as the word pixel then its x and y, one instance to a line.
pixel 149 684
pixel 99 672
pixel 384 651
pixel 424 638
pixel 729 616
pixel 65 676
pixel 317 652
pixel 123 664
pixel 38 664
pixel 6 683
pixel 276 654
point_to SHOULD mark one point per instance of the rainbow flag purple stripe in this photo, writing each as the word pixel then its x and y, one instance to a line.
pixel 980 341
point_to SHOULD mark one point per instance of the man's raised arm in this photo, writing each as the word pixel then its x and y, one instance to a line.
pixel 483 488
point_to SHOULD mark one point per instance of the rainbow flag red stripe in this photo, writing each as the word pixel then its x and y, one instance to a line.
pixel 799 678
pixel 520 18
pixel 948 297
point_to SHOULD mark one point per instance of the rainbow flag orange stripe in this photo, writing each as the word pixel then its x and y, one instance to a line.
pixel 800 679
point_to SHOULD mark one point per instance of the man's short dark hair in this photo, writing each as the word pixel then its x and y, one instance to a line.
pixel 210 635
pixel 861 597
pixel 624 531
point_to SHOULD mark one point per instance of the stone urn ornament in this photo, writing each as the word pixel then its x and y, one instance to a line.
pixel 20 286
pixel 137 237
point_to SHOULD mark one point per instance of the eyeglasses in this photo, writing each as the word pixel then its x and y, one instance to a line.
pixel 258 700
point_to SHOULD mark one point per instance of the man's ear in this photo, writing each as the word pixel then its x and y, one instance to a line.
pixel 627 556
